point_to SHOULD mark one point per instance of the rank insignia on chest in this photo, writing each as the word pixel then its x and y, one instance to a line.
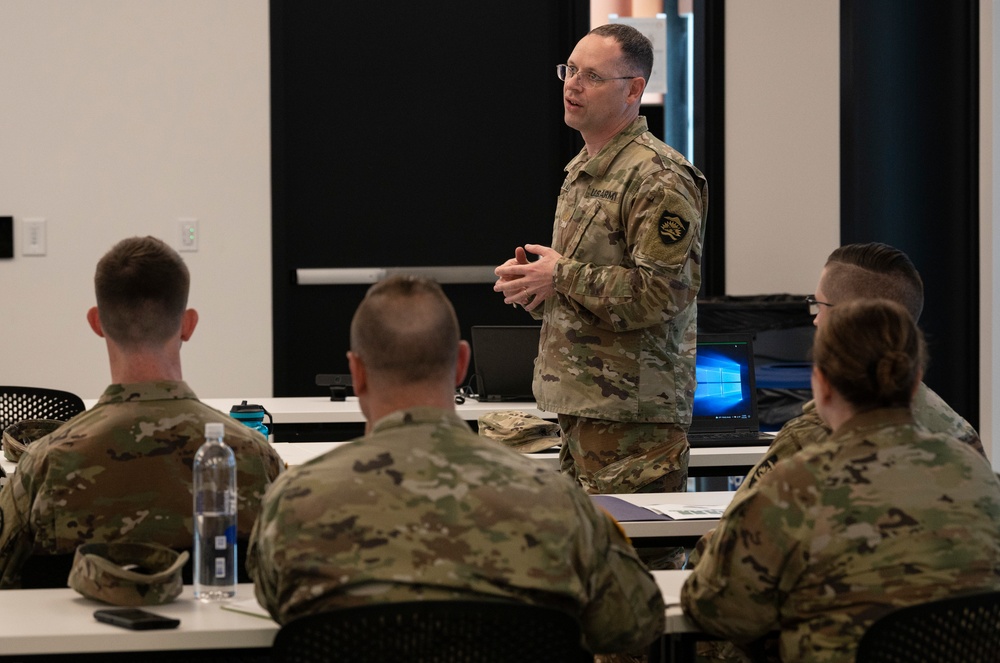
pixel 672 228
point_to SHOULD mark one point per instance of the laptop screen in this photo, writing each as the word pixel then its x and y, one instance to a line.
pixel 726 395
pixel 504 358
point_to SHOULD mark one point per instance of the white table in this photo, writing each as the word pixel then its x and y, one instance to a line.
pixel 679 634
pixel 321 410
pixel 60 621
pixel 297 413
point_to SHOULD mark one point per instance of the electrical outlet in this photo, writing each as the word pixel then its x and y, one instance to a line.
pixel 189 234
pixel 33 237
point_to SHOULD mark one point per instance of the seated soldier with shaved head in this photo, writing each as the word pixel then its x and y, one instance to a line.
pixel 422 507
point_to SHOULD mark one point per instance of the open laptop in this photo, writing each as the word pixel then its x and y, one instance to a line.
pixel 504 358
pixel 725 400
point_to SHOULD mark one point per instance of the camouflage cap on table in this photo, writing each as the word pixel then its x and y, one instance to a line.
pixel 520 431
pixel 128 573
pixel 18 436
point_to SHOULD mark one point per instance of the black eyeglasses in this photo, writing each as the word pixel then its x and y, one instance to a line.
pixel 586 78
pixel 814 304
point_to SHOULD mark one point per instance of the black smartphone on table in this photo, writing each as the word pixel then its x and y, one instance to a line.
pixel 135 618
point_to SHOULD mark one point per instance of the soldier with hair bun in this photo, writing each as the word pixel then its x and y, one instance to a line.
pixel 880 515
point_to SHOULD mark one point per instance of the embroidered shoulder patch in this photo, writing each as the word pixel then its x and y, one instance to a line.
pixel 672 228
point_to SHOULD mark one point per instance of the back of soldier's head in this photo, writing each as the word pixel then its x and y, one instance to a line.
pixel 406 329
pixel 873 270
pixel 142 290
pixel 872 352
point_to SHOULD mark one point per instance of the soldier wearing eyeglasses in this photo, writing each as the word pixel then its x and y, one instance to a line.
pixel 616 290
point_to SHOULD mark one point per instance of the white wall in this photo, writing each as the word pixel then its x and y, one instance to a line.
pixel 118 117
pixel 782 144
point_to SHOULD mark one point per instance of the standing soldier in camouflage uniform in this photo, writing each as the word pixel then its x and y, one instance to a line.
pixel 881 514
pixel 617 290
pixel 122 470
pixel 424 508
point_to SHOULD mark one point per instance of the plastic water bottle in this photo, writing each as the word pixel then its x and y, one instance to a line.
pixel 214 518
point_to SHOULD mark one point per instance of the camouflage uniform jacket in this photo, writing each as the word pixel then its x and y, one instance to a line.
pixel 122 471
pixel 880 515
pixel 618 335
pixel 929 411
pixel 423 508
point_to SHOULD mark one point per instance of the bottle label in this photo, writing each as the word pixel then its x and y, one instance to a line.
pixel 220 543
pixel 220 567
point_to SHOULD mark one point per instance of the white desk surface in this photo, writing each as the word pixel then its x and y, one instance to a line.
pixel 670 583
pixel 296 453
pixel 321 410
pixel 60 621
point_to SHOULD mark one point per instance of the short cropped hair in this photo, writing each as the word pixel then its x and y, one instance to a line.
pixel 406 328
pixel 142 291
pixel 637 50
pixel 873 270
pixel 872 353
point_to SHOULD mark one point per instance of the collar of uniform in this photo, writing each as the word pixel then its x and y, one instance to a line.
pixel 159 390
pixel 601 162
pixel 418 415
pixel 872 420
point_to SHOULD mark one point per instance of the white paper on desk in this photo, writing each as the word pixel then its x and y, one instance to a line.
pixel 688 511
pixel 247 606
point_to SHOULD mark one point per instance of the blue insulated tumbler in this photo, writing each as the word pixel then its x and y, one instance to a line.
pixel 252 416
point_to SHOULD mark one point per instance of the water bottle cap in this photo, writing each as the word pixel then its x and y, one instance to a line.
pixel 214 430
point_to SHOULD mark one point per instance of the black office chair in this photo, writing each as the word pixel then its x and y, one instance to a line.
pixel 962 629
pixel 461 631
pixel 20 403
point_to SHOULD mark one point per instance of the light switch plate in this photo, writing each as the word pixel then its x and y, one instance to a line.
pixel 33 240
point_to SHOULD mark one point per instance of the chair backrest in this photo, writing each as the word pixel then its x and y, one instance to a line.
pixel 962 629
pixel 20 403
pixel 433 632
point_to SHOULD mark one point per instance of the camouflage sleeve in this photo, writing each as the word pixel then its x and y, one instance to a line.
pixel 260 554
pixel 662 270
pixel 933 413
pixel 736 589
pixel 801 432
pixel 625 610
pixel 796 434
pixel 16 538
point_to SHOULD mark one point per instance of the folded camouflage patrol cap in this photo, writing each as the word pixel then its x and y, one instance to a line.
pixel 128 573
pixel 519 430
pixel 18 436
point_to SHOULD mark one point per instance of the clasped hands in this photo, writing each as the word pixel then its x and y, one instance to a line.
pixel 525 283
